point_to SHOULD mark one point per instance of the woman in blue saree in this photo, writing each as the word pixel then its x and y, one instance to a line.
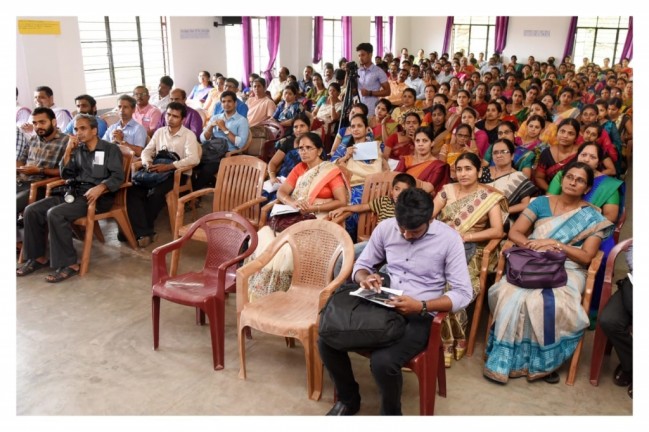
pixel 529 337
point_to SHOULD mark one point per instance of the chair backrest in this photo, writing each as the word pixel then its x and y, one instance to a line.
pixel 240 179
pixel 127 159
pixel 623 246
pixel 376 185
pixel 110 117
pixel 316 245
pixel 227 233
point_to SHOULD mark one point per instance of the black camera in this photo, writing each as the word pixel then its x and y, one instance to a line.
pixel 352 69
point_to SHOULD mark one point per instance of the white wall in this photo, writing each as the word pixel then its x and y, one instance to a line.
pixel 540 47
pixel 51 60
pixel 190 56
pixel 423 32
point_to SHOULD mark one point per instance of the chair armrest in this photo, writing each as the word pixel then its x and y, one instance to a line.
pixel 159 271
pixel 136 165
pixel 52 185
pixel 244 273
pixel 501 261
pixel 342 217
pixel 248 204
pixel 264 212
pixel 180 210
pixel 590 279
pixel 34 186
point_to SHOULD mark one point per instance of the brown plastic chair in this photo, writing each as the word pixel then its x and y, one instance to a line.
pixel 117 212
pixel 429 367
pixel 239 184
pixel 316 245
pixel 110 117
pixel 226 234
pixel 585 303
pixel 265 131
pixel 480 299
pixel 600 342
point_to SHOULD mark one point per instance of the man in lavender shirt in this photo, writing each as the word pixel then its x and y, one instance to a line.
pixel 422 256
pixel 372 81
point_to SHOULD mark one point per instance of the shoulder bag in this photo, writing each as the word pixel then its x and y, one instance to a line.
pixel 527 268
pixel 351 323
pixel 148 179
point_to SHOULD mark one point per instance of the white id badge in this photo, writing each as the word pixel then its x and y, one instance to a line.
pixel 99 158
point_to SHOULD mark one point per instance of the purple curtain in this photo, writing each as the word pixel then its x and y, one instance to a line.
pixel 378 25
pixel 391 24
pixel 627 51
pixel 347 37
pixel 502 22
pixel 570 40
pixel 272 32
pixel 447 34
pixel 247 49
pixel 318 26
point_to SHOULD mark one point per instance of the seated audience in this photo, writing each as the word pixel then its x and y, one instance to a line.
pixel 160 98
pixel 528 339
pixel 145 114
pixel 144 204
pixel 87 104
pixel 94 176
pixel 192 120
pixel 127 131
pixel 260 106
pixel 200 91
pixel 313 186
pixel 553 158
pixel 422 165
pixel 477 213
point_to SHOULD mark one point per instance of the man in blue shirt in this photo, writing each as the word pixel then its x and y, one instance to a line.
pixel 232 85
pixel 422 256
pixel 228 128
pixel 87 104
pixel 127 131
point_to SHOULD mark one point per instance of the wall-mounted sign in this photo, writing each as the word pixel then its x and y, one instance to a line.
pixel 198 33
pixel 39 27
pixel 536 33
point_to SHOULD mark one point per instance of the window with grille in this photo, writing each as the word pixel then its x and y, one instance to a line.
pixel 473 35
pixel 598 38
pixel 120 53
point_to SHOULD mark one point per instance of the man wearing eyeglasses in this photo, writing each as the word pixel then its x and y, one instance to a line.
pixel 145 114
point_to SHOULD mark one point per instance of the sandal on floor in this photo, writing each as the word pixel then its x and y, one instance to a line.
pixel 61 274
pixel 30 267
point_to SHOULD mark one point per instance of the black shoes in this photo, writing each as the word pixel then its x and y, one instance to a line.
pixel 553 378
pixel 340 409
pixel 621 378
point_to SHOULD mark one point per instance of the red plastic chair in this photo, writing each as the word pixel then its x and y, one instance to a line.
pixel 428 365
pixel 226 234
pixel 600 342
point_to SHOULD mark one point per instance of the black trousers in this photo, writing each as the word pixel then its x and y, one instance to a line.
pixel 55 214
pixel 145 204
pixel 615 320
pixel 385 364
pixel 22 195
pixel 204 175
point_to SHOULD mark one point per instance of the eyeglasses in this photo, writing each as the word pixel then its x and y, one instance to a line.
pixel 507 132
pixel 462 136
pixel 578 180
pixel 139 94
pixel 500 152
pixel 305 149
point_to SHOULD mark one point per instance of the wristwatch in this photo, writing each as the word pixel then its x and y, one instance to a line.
pixel 226 131
pixel 424 309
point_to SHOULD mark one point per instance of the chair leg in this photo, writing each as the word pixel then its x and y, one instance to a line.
pixel 597 357
pixel 85 256
pixel 242 350
pixel 172 203
pixel 475 322
pixel 200 317
pixel 215 311
pixel 125 227
pixel 155 306
pixel 98 233
pixel 572 373
pixel 426 392
pixel 290 342
pixel 314 367
pixel 441 372
pixel 173 266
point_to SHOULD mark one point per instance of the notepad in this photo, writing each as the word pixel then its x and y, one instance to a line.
pixel 366 151
pixel 280 209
